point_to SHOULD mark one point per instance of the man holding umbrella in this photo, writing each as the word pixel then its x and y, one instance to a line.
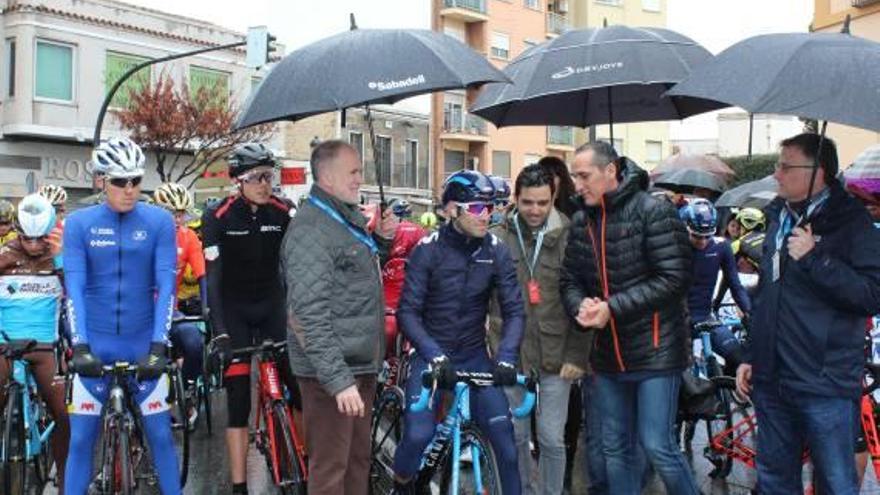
pixel 820 279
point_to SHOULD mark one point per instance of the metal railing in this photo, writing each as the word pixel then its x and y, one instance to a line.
pixel 560 135
pixel 469 124
pixel 557 23
pixel 475 5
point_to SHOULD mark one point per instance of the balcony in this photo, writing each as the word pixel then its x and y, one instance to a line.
pixel 465 127
pixel 560 138
pixel 863 3
pixel 465 10
pixel 556 24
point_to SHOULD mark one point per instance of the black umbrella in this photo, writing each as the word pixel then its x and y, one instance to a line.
pixel 596 76
pixel 755 194
pixel 686 180
pixel 363 66
pixel 822 76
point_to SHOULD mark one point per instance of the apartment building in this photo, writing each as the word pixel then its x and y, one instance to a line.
pixel 501 30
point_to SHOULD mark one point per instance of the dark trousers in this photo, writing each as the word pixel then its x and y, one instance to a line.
pixel 339 445
pixel 790 420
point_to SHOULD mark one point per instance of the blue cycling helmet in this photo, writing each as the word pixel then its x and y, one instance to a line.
pixel 700 217
pixel 502 190
pixel 468 186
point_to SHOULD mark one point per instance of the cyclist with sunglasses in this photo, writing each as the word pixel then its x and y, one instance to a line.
pixel 30 298
pixel 242 238
pixel 7 217
pixel 450 278
pixel 119 265
pixel 186 336
pixel 713 254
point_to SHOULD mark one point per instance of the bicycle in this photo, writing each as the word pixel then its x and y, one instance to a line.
pixel 275 435
pixel 209 381
pixel 386 427
pixel 706 366
pixel 456 433
pixel 27 425
pixel 123 448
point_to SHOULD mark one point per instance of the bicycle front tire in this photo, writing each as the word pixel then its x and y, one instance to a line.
pixel 290 467
pixel 14 448
pixel 472 439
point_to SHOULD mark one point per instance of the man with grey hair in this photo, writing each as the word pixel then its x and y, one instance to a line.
pixel 336 318
pixel 625 276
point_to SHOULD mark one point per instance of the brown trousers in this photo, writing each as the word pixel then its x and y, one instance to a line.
pixel 339 445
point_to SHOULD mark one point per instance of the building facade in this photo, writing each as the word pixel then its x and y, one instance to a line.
pixel 828 16
pixel 60 58
pixel 501 30
pixel 402 150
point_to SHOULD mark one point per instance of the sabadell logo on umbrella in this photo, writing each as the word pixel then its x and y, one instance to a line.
pixel 586 68
pixel 389 85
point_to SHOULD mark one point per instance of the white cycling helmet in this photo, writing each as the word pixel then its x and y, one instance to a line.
pixel 36 216
pixel 173 196
pixel 119 158
pixel 54 193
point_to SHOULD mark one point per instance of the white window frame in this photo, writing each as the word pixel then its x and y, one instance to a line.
pixel 415 161
pixel 653 142
pixel 8 67
pixel 610 3
pixel 492 46
pixel 390 156
pixel 73 71
pixel 360 151
pixel 532 4
pixel 509 164
pixel 655 6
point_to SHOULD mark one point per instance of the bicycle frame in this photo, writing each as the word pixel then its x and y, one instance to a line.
pixel 459 413
pixel 22 382
pixel 271 392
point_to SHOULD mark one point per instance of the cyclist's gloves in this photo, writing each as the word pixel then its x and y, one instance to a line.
pixel 151 366
pixel 85 363
pixel 444 372
pixel 504 374
pixel 220 352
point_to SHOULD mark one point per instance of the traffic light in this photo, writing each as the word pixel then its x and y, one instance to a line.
pixel 259 46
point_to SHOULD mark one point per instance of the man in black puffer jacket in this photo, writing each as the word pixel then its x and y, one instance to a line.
pixel 625 276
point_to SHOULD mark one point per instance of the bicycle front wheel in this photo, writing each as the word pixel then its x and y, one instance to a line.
pixel 385 433
pixel 182 424
pixel 291 467
pixel 13 447
pixel 478 467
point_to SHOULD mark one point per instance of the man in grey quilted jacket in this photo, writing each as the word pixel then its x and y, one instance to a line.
pixel 336 318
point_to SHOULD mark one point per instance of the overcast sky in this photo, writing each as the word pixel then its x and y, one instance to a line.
pixel 715 24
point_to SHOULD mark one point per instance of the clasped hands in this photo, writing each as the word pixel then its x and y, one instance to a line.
pixel 593 313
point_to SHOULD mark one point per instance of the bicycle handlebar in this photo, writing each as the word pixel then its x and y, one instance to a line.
pixel 479 379
pixel 266 345
pixel 189 318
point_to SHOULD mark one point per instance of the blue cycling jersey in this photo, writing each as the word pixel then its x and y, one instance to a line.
pixel 717 256
pixel 119 270
pixel 29 306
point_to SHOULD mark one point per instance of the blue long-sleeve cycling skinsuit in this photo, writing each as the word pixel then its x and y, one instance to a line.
pixel 449 280
pixel 119 274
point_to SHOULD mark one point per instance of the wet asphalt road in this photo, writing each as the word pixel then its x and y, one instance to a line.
pixel 209 468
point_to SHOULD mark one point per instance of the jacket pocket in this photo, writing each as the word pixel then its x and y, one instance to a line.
pixel 354 262
pixel 551 341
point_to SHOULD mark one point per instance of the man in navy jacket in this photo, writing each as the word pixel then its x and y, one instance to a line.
pixel 450 277
pixel 820 279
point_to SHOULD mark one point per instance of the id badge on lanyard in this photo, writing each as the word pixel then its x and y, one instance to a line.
pixel 532 286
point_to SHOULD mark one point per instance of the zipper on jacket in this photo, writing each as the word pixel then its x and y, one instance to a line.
pixel 656 327
pixel 603 271
pixel 118 272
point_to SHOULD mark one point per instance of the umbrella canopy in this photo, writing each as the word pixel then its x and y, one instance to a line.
pixel 686 180
pixel 596 76
pixel 755 194
pixel 823 76
pixel 364 66
pixel 706 163
pixel 866 165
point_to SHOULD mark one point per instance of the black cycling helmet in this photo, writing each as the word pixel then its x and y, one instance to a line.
pixel 751 247
pixel 248 156
pixel 468 186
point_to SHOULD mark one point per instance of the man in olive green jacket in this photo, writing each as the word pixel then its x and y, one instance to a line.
pixel 552 346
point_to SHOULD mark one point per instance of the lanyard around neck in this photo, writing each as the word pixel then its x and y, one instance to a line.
pixel 522 246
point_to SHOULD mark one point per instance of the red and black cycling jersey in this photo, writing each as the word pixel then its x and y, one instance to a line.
pixel 242 248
